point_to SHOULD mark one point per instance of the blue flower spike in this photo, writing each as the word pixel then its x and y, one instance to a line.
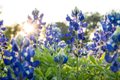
pixel 61 59
pixel 115 66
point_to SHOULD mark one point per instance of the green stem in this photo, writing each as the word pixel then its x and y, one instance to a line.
pixel 59 72
pixel 77 59
pixel 77 66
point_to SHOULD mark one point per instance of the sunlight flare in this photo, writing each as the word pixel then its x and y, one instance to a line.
pixel 28 28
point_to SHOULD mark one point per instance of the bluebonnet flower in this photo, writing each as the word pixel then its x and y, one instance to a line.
pixel 62 44
pixel 37 17
pixel 54 44
pixel 53 37
pixel 8 77
pixel 111 47
pixel 75 12
pixel 103 40
pixel 107 26
pixel 115 66
pixel 76 34
pixel 82 52
pixel 102 37
pixel 38 24
pixel 4 52
pixel 96 37
pixel 35 14
pixel 111 33
pixel 116 36
pixel 3 38
pixel 1 23
pixel 81 16
pixel 110 59
pixel 61 59
pixel 81 35
pixel 107 32
pixel 20 59
pixel 114 18
pixel 68 18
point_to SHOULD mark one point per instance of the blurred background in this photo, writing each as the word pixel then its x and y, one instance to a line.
pixel 15 12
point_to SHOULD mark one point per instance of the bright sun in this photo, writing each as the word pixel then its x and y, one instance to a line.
pixel 31 28
pixel 28 28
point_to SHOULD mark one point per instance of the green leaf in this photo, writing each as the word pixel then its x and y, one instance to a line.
pixel 100 68
pixel 48 72
pixel 118 59
pixel 72 77
pixel 39 72
pixel 107 66
pixel 66 68
pixel 54 78
pixel 92 59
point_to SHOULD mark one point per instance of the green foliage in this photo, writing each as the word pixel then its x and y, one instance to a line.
pixel 93 19
pixel 90 68
pixel 2 69
pixel 12 31
pixel 64 29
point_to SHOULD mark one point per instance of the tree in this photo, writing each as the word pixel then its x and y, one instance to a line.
pixel 12 31
pixel 93 20
pixel 64 29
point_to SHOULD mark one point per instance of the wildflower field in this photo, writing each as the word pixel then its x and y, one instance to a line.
pixel 82 49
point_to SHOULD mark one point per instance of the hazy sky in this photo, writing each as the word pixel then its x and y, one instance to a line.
pixel 54 10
